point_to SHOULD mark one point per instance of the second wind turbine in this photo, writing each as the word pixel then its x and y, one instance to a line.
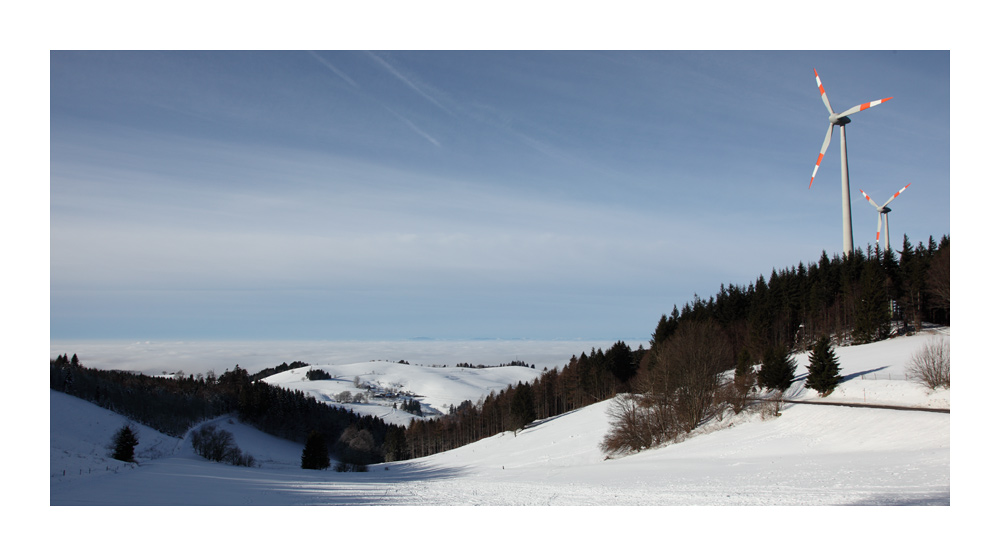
pixel 841 119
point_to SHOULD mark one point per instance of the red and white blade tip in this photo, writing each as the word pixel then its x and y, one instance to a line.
pixel 868 105
pixel 816 169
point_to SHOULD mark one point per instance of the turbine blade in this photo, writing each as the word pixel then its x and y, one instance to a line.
pixel 870 201
pixel 878 232
pixel 897 194
pixel 822 151
pixel 864 106
pixel 822 92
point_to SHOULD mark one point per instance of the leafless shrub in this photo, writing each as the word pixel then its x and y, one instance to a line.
pixel 677 390
pixel 683 373
pixel 736 393
pixel 770 406
pixel 218 445
pixel 931 366
pixel 630 428
pixel 356 449
pixel 639 422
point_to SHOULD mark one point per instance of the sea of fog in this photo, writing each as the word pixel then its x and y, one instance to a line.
pixel 201 356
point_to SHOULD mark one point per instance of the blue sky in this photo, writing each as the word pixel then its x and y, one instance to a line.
pixel 386 195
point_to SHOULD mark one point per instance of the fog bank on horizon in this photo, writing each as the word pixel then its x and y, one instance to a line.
pixel 194 357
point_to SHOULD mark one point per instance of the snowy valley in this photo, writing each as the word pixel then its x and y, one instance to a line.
pixel 810 455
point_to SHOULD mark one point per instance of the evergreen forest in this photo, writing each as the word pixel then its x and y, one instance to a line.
pixel 676 382
pixel 174 405
pixel 662 391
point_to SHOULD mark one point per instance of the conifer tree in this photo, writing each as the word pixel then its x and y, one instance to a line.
pixel 777 369
pixel 912 279
pixel 125 441
pixel 619 362
pixel 522 407
pixel 315 454
pixel 824 369
pixel 871 312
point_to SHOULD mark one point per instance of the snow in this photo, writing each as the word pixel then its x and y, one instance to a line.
pixel 810 455
pixel 436 388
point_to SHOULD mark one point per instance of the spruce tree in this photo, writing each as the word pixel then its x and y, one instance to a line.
pixel 871 310
pixel 315 454
pixel 522 407
pixel 619 362
pixel 124 442
pixel 824 369
pixel 777 369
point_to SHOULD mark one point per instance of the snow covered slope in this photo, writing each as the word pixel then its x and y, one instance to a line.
pixel 436 388
pixel 810 455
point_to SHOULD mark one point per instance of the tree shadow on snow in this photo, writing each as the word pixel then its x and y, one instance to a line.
pixel 188 482
pixel 527 428
pixel 863 373
pixel 926 499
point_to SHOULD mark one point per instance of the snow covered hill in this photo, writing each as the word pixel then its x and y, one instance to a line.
pixel 386 384
pixel 810 455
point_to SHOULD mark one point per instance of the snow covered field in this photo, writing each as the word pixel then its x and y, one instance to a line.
pixel 810 455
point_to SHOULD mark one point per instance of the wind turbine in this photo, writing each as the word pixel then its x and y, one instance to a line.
pixel 883 213
pixel 841 119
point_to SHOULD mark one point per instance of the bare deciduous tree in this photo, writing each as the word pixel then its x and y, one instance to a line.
pixel 931 365
pixel 677 389
pixel 684 373
pixel 344 397
pixel 632 428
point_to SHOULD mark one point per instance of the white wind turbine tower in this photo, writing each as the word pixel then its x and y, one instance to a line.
pixel 883 213
pixel 842 120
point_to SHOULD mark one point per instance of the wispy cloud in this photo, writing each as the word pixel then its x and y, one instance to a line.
pixel 230 193
pixel 413 126
pixel 421 89
pixel 333 68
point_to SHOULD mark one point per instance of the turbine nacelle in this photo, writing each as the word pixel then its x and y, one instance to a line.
pixel 837 119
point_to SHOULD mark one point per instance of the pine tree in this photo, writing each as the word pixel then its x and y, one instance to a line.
pixel 124 442
pixel 619 362
pixel 912 279
pixel 871 312
pixel 522 407
pixel 315 454
pixel 824 369
pixel 777 370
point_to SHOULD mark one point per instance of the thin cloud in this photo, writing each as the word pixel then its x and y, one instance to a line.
pixel 409 123
pixel 336 71
pixel 420 90
pixel 413 126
